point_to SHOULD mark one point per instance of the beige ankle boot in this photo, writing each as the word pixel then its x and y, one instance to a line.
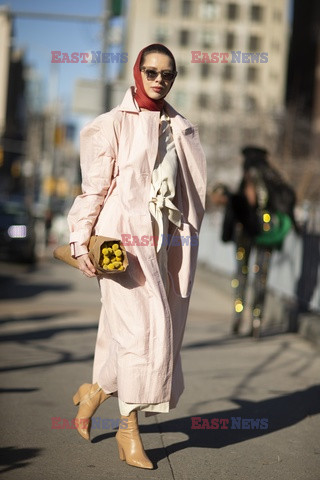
pixel 90 398
pixel 130 444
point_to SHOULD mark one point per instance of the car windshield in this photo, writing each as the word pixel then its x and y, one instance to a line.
pixel 14 211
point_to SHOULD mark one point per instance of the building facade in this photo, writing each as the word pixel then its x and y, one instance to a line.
pixel 232 63
pixel 5 42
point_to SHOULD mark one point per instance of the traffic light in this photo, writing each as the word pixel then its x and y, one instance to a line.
pixel 116 8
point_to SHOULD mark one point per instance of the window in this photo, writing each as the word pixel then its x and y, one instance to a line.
pixel 232 11
pixel 210 39
pixel 250 103
pixel 252 75
pixel 224 133
pixel 184 38
pixel 226 102
pixel 207 40
pixel 203 100
pixel 186 8
pixel 209 10
pixel 205 70
pixel 230 41
pixel 182 71
pixel 161 35
pixel 162 7
pixel 254 43
pixel 180 99
pixel 228 72
pixel 256 13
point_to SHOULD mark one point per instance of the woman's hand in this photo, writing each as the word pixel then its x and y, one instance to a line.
pixel 85 265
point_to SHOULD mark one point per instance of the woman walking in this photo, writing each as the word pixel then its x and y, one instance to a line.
pixel 144 178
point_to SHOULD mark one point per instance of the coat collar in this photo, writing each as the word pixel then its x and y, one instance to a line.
pixel 128 103
pixel 179 123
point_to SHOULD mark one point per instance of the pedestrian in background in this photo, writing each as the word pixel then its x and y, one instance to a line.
pixel 258 216
pixel 144 174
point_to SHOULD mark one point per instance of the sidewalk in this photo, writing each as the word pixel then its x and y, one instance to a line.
pixel 48 328
pixel 280 313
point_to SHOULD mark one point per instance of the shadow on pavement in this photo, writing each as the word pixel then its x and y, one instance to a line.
pixel 44 334
pixel 232 339
pixel 31 338
pixel 36 317
pixel 12 287
pixel 12 458
pixel 280 412
pixel 267 333
pixel 65 357
pixel 18 390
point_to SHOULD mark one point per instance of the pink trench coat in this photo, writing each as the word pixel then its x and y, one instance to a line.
pixel 141 328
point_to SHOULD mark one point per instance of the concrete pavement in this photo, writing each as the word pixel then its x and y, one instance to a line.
pixel 48 325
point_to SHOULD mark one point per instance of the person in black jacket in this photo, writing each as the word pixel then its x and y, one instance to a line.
pixel 262 192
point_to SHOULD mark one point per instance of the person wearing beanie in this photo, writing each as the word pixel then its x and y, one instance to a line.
pixel 143 180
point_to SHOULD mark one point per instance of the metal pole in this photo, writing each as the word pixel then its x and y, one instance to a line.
pixel 105 44
pixel 56 16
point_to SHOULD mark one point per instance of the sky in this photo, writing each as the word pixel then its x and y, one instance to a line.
pixel 39 37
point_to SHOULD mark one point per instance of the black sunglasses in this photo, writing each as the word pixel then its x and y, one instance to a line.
pixel 167 75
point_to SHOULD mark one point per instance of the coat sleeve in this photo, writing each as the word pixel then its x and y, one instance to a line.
pixel 97 161
pixel 246 214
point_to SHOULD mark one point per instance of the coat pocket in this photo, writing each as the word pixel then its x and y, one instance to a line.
pixel 182 259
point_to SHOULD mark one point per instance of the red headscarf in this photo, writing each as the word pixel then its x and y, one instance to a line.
pixel 140 94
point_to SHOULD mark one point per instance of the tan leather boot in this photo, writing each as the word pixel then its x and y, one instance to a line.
pixel 89 397
pixel 130 444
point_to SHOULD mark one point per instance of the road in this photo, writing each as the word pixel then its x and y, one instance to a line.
pixel 263 395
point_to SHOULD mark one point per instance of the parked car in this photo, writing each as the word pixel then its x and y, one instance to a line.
pixel 17 232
